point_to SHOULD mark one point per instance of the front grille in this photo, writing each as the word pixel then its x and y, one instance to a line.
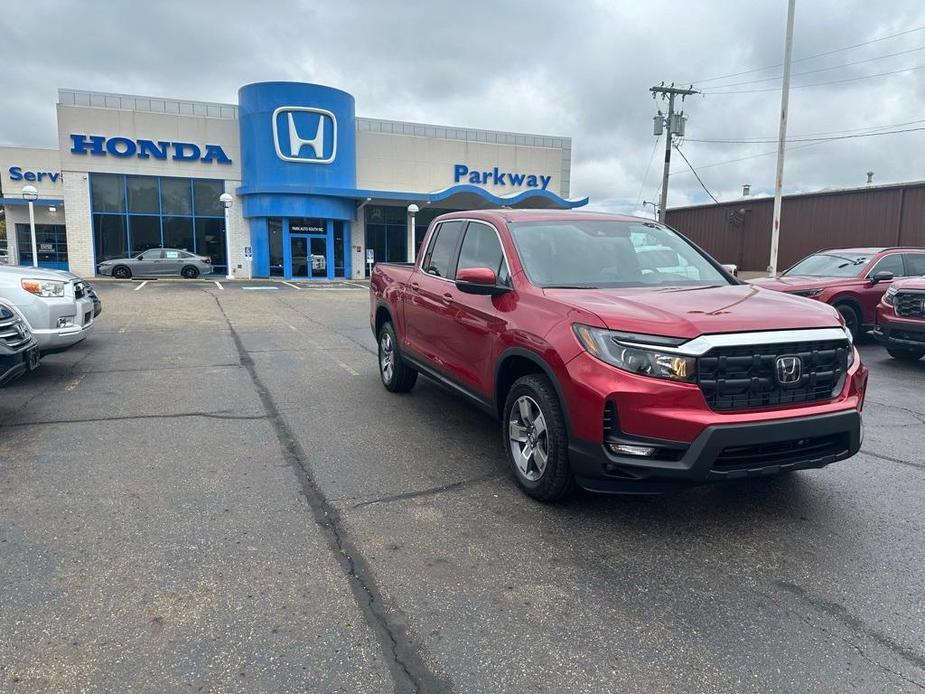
pixel 611 427
pixel 805 450
pixel 910 304
pixel 14 333
pixel 744 377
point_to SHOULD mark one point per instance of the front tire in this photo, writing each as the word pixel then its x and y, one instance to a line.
pixel 121 272
pixel 905 354
pixel 397 376
pixel 852 318
pixel 190 272
pixel 536 439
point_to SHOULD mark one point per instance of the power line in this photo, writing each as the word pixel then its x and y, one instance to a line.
pixel 749 156
pixel 810 57
pixel 767 138
pixel 820 84
pixel 645 176
pixel 822 69
pixel 696 175
pixel 810 139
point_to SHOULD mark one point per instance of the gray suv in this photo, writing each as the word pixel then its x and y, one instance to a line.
pixel 59 308
pixel 160 262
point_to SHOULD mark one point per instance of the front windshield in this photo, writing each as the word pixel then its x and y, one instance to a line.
pixel 610 253
pixel 830 265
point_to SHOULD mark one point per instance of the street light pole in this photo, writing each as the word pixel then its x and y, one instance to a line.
pixel 227 201
pixel 412 211
pixel 30 195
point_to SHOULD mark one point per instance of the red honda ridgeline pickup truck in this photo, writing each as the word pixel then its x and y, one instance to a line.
pixel 617 355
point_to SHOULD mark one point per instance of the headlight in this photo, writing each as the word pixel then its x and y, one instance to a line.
pixel 44 288
pixel 807 292
pixel 604 345
pixel 888 297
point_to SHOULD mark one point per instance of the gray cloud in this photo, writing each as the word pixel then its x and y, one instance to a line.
pixel 580 68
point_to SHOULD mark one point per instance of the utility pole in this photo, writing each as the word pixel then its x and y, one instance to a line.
pixel 674 123
pixel 781 140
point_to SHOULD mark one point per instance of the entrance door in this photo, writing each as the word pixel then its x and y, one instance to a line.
pixel 308 256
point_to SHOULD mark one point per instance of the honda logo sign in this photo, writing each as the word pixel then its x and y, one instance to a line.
pixel 789 370
pixel 304 134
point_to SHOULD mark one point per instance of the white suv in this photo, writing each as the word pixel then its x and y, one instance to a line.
pixel 59 308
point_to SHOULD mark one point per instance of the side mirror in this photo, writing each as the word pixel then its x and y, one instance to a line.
pixel 479 280
pixel 141 257
pixel 882 276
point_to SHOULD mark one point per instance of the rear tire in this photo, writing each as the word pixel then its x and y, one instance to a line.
pixel 536 439
pixel 122 272
pixel 190 272
pixel 397 376
pixel 906 354
pixel 852 318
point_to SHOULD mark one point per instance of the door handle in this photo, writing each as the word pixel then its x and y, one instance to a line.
pixel 447 298
pixel 415 286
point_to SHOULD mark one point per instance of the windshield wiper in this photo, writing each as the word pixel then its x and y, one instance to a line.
pixel 569 286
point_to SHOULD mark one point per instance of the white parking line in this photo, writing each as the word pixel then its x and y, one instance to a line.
pixel 290 284
pixel 141 286
pixel 219 285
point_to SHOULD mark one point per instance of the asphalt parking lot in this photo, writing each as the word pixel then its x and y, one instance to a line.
pixel 214 493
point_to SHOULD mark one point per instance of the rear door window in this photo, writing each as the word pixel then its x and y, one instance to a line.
pixel 441 255
pixel 915 264
pixel 172 254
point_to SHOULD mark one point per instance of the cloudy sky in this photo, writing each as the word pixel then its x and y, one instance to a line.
pixel 579 68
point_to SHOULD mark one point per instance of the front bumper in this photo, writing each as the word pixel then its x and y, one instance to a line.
pixel 721 452
pixel 899 332
pixel 43 316
pixel 15 365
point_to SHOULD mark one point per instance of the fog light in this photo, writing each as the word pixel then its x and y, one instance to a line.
pixel 624 449
pixel 66 322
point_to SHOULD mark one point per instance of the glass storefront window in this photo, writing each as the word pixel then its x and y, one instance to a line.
pixel 50 241
pixel 144 232
pixel 205 195
pixel 338 249
pixel 107 193
pixel 109 236
pixel 134 213
pixel 176 196
pixel 210 239
pixel 275 233
pixel 178 233
pixel 142 195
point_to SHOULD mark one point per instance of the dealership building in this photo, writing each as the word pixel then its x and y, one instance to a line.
pixel 316 191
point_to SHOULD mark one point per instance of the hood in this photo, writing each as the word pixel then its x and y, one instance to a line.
pixel 688 312
pixel 910 283
pixel 38 273
pixel 793 283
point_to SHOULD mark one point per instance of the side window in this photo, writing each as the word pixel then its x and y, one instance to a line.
pixel 915 264
pixel 172 254
pixel 481 248
pixel 152 255
pixel 889 263
pixel 442 249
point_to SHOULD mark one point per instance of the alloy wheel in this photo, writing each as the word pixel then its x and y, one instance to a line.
pixel 529 438
pixel 386 357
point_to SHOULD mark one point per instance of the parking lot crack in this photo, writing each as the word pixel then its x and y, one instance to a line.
pixel 433 491
pixel 403 654
pixel 118 418
pixel 890 459
pixel 841 614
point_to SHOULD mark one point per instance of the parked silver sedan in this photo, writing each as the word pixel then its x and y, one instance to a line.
pixel 159 262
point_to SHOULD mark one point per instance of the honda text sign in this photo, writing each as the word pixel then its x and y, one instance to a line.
pixel 305 134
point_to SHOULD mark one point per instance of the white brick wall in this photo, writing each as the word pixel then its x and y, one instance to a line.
pixel 79 223
pixel 358 240
pixel 240 235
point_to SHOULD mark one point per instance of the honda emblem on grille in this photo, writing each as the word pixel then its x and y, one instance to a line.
pixel 789 370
